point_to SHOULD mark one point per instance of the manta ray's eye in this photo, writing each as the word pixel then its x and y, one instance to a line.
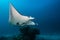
pixel 17 23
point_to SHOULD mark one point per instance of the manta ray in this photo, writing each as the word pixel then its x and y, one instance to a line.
pixel 17 18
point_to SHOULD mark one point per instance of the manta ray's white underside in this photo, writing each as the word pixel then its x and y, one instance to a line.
pixel 16 18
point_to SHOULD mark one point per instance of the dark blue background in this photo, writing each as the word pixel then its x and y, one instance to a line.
pixel 46 13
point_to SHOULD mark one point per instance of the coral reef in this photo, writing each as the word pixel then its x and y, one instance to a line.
pixel 27 33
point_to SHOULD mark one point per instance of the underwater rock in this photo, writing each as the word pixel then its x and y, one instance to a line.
pixel 28 33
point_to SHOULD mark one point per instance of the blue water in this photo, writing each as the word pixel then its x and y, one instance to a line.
pixel 46 13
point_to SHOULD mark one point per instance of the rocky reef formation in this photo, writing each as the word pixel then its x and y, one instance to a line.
pixel 27 33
